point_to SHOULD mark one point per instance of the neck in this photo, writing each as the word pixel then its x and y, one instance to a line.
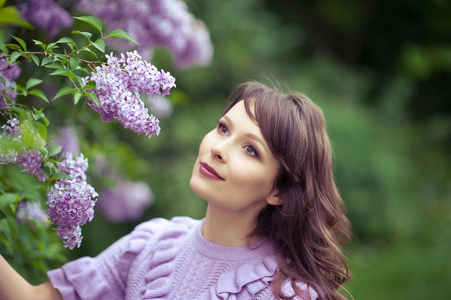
pixel 228 228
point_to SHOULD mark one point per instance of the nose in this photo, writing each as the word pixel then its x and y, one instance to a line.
pixel 218 151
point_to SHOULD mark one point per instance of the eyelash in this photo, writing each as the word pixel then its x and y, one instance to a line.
pixel 222 126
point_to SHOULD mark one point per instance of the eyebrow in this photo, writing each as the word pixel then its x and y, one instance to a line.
pixel 249 135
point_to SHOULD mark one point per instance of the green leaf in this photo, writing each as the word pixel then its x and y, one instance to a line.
pixel 89 87
pixel 14 56
pixel 45 61
pixel 39 93
pixel 80 104
pixel 100 45
pixel 90 51
pixel 77 97
pixel 73 63
pixel 21 42
pixel 58 66
pixel 54 150
pixel 51 46
pixel 84 70
pixel 66 40
pixel 22 89
pixel 64 91
pixel 35 59
pixel 64 72
pixel 14 46
pixel 92 96
pixel 91 20
pixel 37 42
pixel 32 82
pixel 122 34
pixel 7 199
pixel 87 35
pixel 42 129
pixel 57 176
pixel 10 15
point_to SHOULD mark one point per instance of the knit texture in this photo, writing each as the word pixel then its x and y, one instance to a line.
pixel 164 259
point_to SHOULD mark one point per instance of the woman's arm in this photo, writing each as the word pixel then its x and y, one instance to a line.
pixel 14 286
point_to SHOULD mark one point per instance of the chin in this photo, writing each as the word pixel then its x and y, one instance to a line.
pixel 196 188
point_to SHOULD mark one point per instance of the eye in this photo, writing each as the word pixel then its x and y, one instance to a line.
pixel 222 128
pixel 249 149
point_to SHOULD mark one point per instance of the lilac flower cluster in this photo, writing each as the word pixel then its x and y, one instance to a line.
pixel 30 211
pixel 71 201
pixel 154 23
pixel 67 138
pixel 9 73
pixel 11 127
pixel 46 14
pixel 126 201
pixel 31 162
pixel 119 84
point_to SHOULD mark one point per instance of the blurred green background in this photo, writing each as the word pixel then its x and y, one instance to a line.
pixel 381 71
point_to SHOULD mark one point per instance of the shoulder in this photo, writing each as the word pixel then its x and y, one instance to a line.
pixel 159 228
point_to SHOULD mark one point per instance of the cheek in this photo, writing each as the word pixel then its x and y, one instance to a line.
pixel 204 145
pixel 253 179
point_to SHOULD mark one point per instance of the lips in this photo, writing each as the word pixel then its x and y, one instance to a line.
pixel 209 171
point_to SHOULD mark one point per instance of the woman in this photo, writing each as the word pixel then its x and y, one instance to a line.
pixel 273 227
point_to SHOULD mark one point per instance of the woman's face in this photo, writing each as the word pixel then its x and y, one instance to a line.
pixel 235 169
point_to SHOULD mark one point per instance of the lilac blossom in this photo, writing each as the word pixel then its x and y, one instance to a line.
pixel 155 23
pixel 31 162
pixel 9 73
pixel 75 167
pixel 11 127
pixel 118 85
pixel 47 15
pixel 126 201
pixel 70 205
pixel 30 211
pixel 67 138
pixel 71 201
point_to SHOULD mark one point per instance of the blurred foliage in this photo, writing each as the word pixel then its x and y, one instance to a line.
pixel 380 70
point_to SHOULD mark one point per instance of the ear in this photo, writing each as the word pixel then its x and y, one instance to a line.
pixel 274 198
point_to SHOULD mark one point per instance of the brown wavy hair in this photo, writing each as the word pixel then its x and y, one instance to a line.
pixel 310 226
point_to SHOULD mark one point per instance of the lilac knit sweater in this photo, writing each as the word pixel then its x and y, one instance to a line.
pixel 164 259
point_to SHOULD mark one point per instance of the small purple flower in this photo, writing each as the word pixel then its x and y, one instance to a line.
pixel 126 201
pixel 30 211
pixel 47 15
pixel 31 162
pixel 75 167
pixel 67 138
pixel 71 235
pixel 70 205
pixel 119 84
pixel 9 73
pixel 11 127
